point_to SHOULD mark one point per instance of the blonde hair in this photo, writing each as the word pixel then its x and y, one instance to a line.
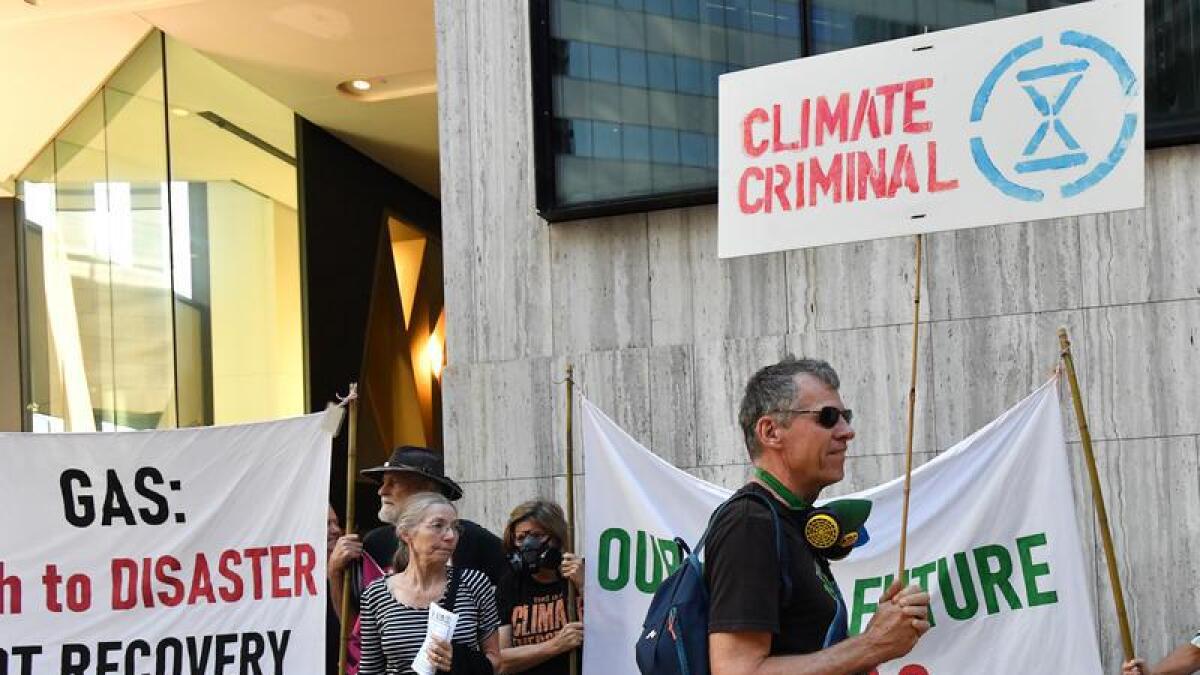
pixel 410 518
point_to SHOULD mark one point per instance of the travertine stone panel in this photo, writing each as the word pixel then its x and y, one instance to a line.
pixel 867 283
pixel 456 158
pixel 875 365
pixel 617 382
pixel 1003 269
pixel 1152 491
pixel 982 367
pixel 801 278
pixel 488 502
pixel 722 368
pixel 695 296
pixel 497 420
pixel 601 278
pixel 506 251
pixel 1142 372
pixel 1147 254
pixel 673 405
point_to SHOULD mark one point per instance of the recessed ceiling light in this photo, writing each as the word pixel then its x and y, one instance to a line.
pixel 360 85
pixel 179 112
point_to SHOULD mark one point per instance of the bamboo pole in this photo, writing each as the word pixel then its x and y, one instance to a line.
pixel 351 483
pixel 1085 438
pixel 912 407
pixel 572 614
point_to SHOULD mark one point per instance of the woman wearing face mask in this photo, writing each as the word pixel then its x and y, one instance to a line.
pixel 395 608
pixel 537 588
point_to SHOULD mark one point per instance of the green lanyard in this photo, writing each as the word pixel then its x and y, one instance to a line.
pixel 794 503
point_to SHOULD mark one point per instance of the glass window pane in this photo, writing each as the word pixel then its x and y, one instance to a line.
pixel 140 243
pixel 633 67
pixel 234 207
pixel 636 143
pixel 604 63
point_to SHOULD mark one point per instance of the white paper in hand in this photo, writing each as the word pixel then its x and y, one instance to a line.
pixel 441 626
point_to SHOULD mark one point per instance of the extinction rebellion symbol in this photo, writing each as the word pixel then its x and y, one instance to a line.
pixel 1053 157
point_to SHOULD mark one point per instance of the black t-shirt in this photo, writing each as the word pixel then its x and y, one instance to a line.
pixel 477 549
pixel 741 569
pixel 536 612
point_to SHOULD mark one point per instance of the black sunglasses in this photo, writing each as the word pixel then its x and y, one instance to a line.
pixel 827 417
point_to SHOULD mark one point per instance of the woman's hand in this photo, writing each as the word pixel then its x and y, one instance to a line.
pixel 440 654
pixel 570 637
pixel 572 568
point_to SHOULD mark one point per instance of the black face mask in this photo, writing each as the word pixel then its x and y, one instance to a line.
pixel 535 554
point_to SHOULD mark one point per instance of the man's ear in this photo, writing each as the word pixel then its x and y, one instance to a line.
pixel 767 430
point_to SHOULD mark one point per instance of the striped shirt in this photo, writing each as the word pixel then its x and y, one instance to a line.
pixel 392 632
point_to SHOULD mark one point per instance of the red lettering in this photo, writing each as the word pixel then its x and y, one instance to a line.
pixel 10 587
pixel 888 92
pixel 306 562
pixel 904 172
pixel 753 149
pixel 255 556
pixel 743 187
pixel 778 188
pixel 201 582
pixel 124 595
pixel 778 145
pixel 232 592
pixel 826 181
pixel 163 572
pixel 798 193
pixel 833 121
pixel 805 110
pixel 865 111
pixel 279 572
pixel 877 173
pixel 934 184
pixel 850 181
pixel 912 105
pixel 147 580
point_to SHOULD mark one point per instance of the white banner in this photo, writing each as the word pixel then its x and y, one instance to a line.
pixel 1029 117
pixel 169 552
pixel 992 536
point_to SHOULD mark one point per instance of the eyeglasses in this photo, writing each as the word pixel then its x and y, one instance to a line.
pixel 440 527
pixel 827 417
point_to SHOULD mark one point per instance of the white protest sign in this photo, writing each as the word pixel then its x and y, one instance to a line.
pixel 1030 117
pixel 170 552
pixel 992 536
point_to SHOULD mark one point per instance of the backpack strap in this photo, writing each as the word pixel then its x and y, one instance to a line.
pixel 781 549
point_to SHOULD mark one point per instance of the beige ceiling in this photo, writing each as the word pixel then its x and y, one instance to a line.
pixel 296 52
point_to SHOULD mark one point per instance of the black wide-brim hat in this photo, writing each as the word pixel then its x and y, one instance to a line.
pixel 421 461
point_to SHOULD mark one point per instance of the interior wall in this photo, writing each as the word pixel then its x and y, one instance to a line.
pixel 10 345
pixel 345 199
pixel 663 335
pixel 257 366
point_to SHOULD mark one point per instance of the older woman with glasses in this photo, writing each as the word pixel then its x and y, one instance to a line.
pixel 395 608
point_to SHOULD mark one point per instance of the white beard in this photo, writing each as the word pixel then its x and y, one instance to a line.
pixel 389 513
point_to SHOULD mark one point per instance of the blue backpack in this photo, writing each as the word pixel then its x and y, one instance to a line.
pixel 674 638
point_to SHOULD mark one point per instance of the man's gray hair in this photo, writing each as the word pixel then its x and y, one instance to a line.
pixel 773 389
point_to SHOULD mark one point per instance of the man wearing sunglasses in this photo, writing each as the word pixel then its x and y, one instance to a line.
pixel 765 617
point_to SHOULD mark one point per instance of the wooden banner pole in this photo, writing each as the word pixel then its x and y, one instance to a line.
pixel 912 407
pixel 572 614
pixel 351 483
pixel 1085 438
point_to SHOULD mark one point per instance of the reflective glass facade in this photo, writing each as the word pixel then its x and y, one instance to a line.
pixel 159 255
pixel 625 90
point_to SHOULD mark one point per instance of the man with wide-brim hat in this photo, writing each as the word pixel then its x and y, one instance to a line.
pixel 410 470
